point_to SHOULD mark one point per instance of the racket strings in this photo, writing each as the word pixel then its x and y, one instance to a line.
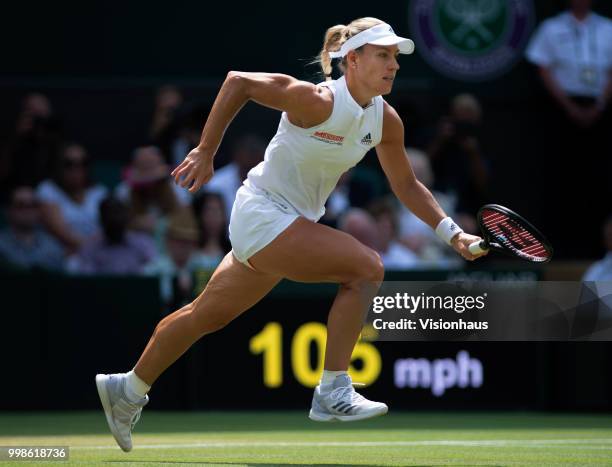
pixel 514 236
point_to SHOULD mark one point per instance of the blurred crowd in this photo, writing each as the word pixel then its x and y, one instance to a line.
pixel 61 215
pixel 58 216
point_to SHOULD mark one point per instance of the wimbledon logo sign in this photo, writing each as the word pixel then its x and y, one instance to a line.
pixel 471 40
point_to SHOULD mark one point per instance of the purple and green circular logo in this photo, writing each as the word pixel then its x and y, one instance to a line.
pixel 471 40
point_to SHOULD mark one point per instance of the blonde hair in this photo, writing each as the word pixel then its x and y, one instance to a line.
pixel 338 35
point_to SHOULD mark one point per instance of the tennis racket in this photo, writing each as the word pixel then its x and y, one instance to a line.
pixel 505 231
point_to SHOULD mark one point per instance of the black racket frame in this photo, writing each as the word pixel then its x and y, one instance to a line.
pixel 488 244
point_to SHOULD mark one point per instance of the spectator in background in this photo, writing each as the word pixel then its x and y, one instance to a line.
pixel 602 269
pixel 246 153
pixel 573 55
pixel 30 154
pixel 117 250
pixel 24 243
pixel 413 232
pixel 176 125
pixel 361 225
pixel 168 100
pixel 175 267
pixel 394 255
pixel 184 133
pixel 35 106
pixel 357 187
pixel 214 241
pixel 458 164
pixel 149 191
pixel 70 202
pixel 338 201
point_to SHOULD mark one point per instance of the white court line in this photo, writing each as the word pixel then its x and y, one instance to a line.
pixel 467 443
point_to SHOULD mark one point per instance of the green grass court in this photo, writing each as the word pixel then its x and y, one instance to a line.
pixel 289 438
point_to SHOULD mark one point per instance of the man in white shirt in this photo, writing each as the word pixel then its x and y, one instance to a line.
pixel 573 52
pixel 572 141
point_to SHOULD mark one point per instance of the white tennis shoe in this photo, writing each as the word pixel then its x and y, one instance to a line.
pixel 121 413
pixel 342 402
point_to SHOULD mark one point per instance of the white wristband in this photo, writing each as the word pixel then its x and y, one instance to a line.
pixel 447 229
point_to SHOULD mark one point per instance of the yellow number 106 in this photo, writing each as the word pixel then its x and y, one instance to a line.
pixel 270 340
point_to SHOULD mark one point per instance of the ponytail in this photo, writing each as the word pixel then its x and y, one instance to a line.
pixel 334 37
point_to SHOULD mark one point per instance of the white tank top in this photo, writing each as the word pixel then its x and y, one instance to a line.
pixel 302 166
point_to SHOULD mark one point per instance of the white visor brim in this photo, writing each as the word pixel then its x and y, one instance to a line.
pixel 406 46
pixel 381 34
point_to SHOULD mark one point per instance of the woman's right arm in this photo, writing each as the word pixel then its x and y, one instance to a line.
pixel 305 103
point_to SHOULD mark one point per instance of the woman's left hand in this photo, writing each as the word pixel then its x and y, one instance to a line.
pixel 461 243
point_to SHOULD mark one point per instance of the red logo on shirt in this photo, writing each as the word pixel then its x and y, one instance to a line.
pixel 328 137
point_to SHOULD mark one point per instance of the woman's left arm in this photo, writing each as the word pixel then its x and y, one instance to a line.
pixel 411 192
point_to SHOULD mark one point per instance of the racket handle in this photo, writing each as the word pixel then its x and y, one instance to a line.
pixel 478 247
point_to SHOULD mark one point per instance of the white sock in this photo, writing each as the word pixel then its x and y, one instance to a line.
pixel 135 388
pixel 328 377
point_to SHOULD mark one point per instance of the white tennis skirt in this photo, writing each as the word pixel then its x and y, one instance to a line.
pixel 258 217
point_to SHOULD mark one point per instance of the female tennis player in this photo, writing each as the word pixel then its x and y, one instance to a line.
pixel 325 129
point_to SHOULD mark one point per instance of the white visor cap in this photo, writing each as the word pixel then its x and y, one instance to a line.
pixel 381 34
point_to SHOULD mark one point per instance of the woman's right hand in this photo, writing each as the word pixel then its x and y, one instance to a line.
pixel 195 170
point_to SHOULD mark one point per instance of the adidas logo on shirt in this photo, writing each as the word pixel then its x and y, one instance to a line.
pixel 367 139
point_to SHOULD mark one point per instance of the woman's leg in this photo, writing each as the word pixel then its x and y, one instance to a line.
pixel 232 289
pixel 310 252
pixel 304 252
